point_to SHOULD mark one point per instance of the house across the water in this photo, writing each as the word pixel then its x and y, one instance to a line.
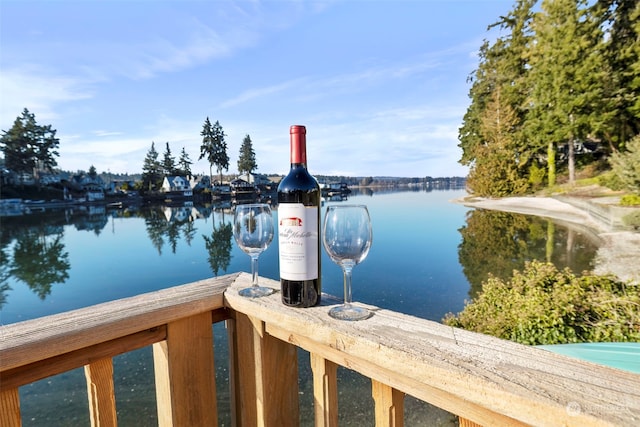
pixel 242 188
pixel 176 186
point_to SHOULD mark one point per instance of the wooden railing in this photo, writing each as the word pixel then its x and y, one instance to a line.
pixel 484 380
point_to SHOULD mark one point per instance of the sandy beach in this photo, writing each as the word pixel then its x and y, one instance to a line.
pixel 619 252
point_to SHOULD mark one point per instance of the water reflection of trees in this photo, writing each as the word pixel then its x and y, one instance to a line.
pixel 32 251
pixel 497 243
pixel 89 218
pixel 4 275
pixel 218 247
pixel 171 224
pixel 32 247
pixel 40 260
pixel 156 226
pixel 219 244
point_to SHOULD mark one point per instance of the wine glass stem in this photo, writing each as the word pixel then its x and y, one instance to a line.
pixel 347 269
pixel 254 270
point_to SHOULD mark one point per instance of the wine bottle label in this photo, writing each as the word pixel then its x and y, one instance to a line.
pixel 298 241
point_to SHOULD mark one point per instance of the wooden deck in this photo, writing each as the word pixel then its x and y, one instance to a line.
pixel 484 380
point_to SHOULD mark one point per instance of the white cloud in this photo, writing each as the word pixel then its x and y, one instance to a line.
pixel 208 32
pixel 252 94
pixel 105 133
pixel 313 87
pixel 160 55
pixel 30 87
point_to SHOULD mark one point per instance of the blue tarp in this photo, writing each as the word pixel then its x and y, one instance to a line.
pixel 621 355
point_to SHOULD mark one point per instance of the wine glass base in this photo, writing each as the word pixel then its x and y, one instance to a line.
pixel 256 292
pixel 349 312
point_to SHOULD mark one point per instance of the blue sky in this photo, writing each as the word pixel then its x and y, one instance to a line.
pixel 381 85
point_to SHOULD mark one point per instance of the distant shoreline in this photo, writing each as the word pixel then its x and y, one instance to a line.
pixel 619 251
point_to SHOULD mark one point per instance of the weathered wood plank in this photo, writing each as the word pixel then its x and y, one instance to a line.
pixel 463 422
pixel 242 367
pixel 185 374
pixel 389 410
pixel 325 391
pixel 163 384
pixel 33 340
pixel 278 363
pixel 41 369
pixel 101 393
pixel 267 376
pixel 415 387
pixel 481 378
pixel 10 408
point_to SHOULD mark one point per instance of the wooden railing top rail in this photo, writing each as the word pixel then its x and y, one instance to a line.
pixel 46 337
pixel 481 378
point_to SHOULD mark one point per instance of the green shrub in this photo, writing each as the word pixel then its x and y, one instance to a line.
pixel 632 220
pixel 630 200
pixel 626 165
pixel 536 175
pixel 610 180
pixel 542 305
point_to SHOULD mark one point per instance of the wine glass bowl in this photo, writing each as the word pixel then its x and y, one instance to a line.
pixel 347 237
pixel 253 231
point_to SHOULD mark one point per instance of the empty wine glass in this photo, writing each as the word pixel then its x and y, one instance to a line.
pixel 253 231
pixel 346 236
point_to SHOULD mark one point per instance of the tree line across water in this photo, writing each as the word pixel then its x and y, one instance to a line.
pixel 30 150
pixel 557 90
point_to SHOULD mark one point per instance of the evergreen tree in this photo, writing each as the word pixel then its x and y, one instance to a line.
pixel 496 171
pixel 28 147
pixel 214 147
pixel 168 162
pixel 471 139
pixel 93 173
pixel 566 79
pixel 620 20
pixel 499 82
pixel 184 164
pixel 634 68
pixel 15 147
pixel 151 170
pixel 247 159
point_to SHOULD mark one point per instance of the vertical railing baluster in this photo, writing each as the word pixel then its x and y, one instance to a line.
pixel 10 408
pixel 242 368
pixel 463 422
pixel 389 403
pixel 185 374
pixel 266 376
pixel 325 391
pixel 100 392
pixel 163 386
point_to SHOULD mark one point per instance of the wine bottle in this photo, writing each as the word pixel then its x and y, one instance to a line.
pixel 299 228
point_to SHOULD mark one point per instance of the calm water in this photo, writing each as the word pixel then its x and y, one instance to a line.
pixel 428 256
